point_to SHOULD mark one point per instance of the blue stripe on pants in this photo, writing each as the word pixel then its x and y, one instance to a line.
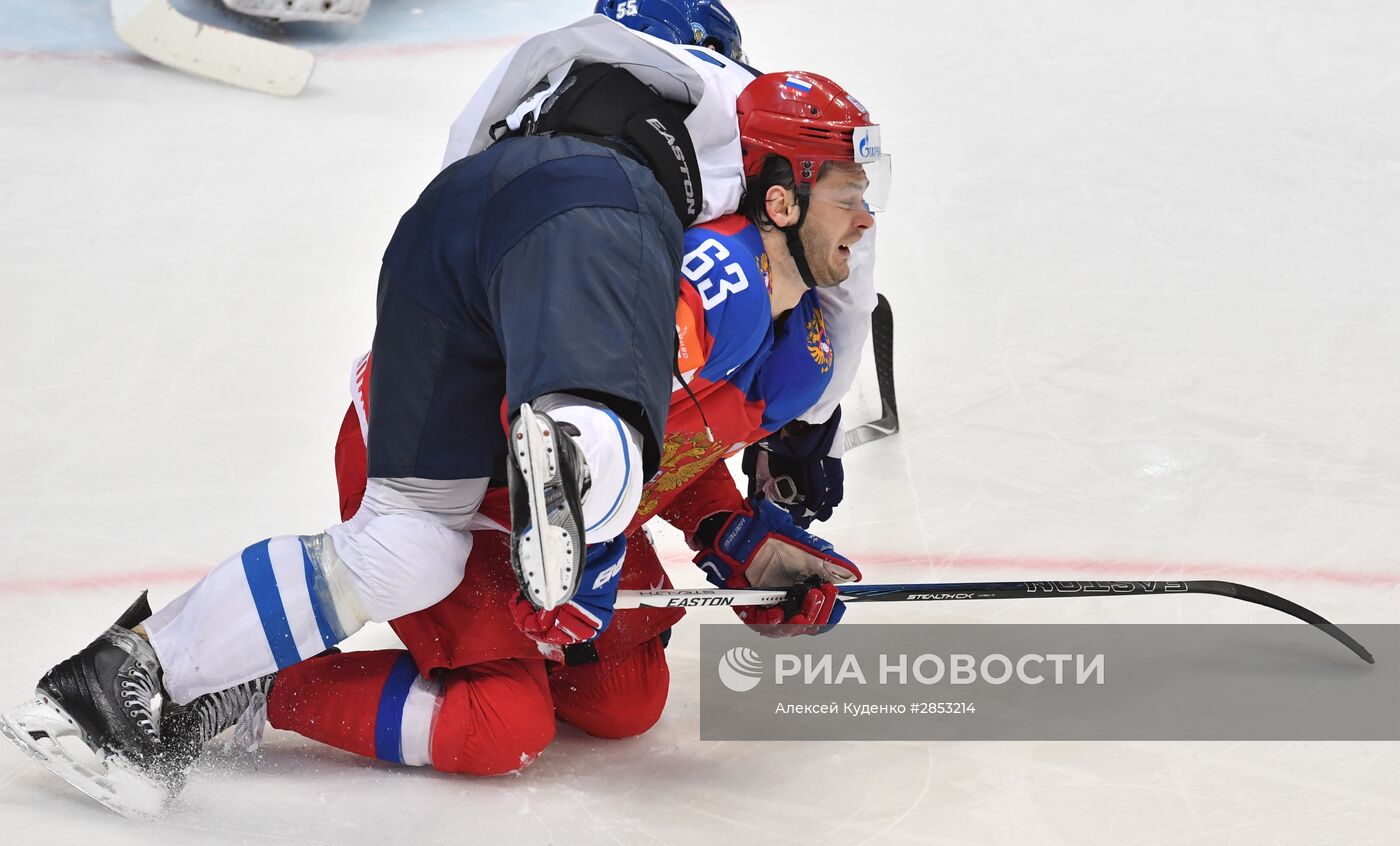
pixel 319 592
pixel 262 583
pixel 388 722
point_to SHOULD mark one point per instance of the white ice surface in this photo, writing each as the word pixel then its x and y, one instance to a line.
pixel 1143 259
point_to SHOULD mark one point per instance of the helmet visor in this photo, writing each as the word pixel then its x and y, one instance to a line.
pixel 851 186
pixel 877 192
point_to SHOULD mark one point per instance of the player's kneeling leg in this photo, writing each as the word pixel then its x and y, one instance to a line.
pixel 495 717
pixel 486 719
pixel 372 703
pixel 614 699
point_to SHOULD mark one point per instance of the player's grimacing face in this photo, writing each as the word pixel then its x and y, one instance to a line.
pixel 837 220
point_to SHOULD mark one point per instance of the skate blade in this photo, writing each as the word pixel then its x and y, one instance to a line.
pixel 46 732
pixel 548 555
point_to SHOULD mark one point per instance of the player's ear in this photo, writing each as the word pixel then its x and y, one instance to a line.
pixel 781 205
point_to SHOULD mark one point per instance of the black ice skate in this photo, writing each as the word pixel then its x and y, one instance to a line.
pixel 186 730
pixel 95 721
pixel 548 480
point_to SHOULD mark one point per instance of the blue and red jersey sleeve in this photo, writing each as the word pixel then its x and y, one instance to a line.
pixel 750 373
pixel 724 315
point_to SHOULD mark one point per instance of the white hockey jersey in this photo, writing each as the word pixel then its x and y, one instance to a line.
pixel 687 74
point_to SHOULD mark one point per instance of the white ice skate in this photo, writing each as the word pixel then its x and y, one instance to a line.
pixel 548 479
pixel 43 729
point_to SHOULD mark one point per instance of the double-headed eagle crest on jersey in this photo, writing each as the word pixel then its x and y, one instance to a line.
pixel 684 456
pixel 817 342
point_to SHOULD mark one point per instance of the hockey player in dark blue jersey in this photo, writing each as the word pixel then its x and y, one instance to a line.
pixel 526 298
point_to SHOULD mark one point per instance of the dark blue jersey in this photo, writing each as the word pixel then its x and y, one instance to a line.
pixel 541 264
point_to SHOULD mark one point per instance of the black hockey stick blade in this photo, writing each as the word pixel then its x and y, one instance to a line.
pixel 1278 603
pixel 882 341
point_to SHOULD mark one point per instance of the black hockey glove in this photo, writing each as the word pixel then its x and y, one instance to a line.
pixel 794 468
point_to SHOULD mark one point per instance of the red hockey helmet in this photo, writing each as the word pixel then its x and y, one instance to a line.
pixel 809 120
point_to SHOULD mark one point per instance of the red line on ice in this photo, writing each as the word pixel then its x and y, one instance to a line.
pixel 329 51
pixel 937 567
pixel 128 578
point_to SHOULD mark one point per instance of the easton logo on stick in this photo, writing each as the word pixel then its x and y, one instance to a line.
pixel 693 601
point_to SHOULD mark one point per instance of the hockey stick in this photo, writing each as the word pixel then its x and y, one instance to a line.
pixel 882 339
pixel 989 590
pixel 154 29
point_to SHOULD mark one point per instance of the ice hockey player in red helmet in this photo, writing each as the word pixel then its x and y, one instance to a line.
pixel 795 127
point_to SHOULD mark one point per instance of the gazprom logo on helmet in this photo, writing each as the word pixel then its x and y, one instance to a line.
pixel 866 140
